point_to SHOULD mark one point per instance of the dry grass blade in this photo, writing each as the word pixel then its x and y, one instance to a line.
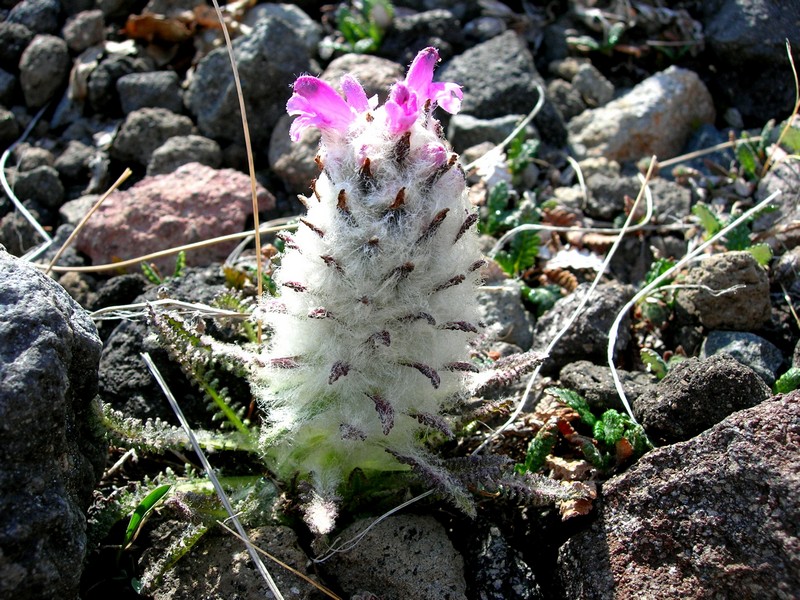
pixel 127 173
pixel 795 110
pixel 248 146
pixel 251 549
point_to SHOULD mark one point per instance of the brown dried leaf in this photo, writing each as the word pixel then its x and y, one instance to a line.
pixel 150 26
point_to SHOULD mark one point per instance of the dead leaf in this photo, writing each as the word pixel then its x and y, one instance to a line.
pixel 150 27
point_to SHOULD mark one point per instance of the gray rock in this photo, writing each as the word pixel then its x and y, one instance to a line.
pixel 9 127
pixel 29 157
pixel 671 202
pixel 743 309
pixel 436 24
pixel 499 78
pixel 84 30
pixel 40 16
pixel 17 234
pixel 587 339
pixel 146 129
pixel 402 557
pixel 8 88
pixel 183 149
pixel 51 448
pixel 655 117
pixel 375 74
pixel 607 195
pixel 749 36
pixel 495 571
pixel 484 28
pixel 220 567
pixel 73 162
pixel 269 59
pixel 152 89
pixel 714 517
pixel 565 98
pixel 102 86
pixel 593 87
pixel 306 29
pixel 780 226
pixel 465 131
pixel 43 69
pixel 72 211
pixel 506 317
pixel 14 38
pixel 695 395
pixel 595 384
pixel 749 349
pixel 41 184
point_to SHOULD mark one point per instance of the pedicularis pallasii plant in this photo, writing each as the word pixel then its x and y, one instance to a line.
pixel 369 337
pixel 378 285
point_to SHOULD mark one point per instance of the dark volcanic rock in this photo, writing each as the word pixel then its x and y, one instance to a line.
pixel 51 451
pixel 713 517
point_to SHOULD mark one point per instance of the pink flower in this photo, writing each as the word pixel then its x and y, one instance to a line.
pixel 408 97
pixel 317 104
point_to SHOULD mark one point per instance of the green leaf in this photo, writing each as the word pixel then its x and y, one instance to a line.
pixel 708 220
pixel 791 140
pixel 657 364
pixel 738 238
pixel 496 209
pixel 542 298
pixel 180 265
pixel 657 269
pixel 615 34
pixel 787 382
pixel 141 512
pixel 521 255
pixel 761 252
pixel 539 447
pixel 748 160
pixel 151 273
pixel 610 428
pixel 576 402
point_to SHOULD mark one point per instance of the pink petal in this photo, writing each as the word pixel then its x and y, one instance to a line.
pixel 447 95
pixel 354 93
pixel 420 73
pixel 316 104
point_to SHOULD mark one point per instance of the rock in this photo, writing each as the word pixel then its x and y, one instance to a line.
pixel 595 384
pixel 14 38
pixel 72 211
pixel 51 447
pixel 434 25
pixel 499 78
pixel 749 36
pixel 495 571
pixel 375 74
pixel 306 29
pixel 566 99
pixel 146 129
pixel 41 184
pixel 655 117
pixel 43 69
pixel 83 30
pixel 713 517
pixel 220 567
pixel 9 127
pixel 743 309
pixel 8 88
pixel 29 157
pixel 483 29
pixel 402 557
pixel 102 86
pixel 152 89
pixel 465 131
pixel 594 88
pixel 749 349
pixel 671 202
pixel 193 203
pixel 506 317
pixel 695 395
pixel 73 162
pixel 39 16
pixel 269 60
pixel 780 226
pixel 183 149
pixel 587 339
pixel 607 195
pixel 17 234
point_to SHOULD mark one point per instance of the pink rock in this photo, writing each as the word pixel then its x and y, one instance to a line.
pixel 193 203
